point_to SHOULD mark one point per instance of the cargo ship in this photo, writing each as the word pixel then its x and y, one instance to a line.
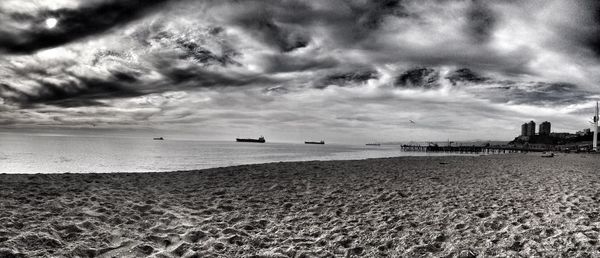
pixel 373 144
pixel 260 140
pixel 158 138
pixel 321 142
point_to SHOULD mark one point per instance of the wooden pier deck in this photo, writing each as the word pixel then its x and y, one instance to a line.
pixel 467 149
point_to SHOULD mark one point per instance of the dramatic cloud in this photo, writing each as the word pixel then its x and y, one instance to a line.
pixel 343 69
pixel 342 79
pixel 481 21
pixel 419 77
pixel 67 25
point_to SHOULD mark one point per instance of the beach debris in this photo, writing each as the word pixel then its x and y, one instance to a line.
pixel 548 155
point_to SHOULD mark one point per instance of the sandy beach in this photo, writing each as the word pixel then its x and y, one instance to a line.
pixel 499 205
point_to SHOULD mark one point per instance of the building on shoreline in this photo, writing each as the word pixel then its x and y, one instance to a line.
pixel 584 132
pixel 531 128
pixel 546 139
pixel 562 135
pixel 545 128
pixel 586 139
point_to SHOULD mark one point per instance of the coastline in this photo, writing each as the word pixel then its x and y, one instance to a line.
pixel 201 170
pixel 510 204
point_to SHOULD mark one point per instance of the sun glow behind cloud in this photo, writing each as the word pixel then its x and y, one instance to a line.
pixel 51 23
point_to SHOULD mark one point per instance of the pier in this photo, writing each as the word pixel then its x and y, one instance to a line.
pixel 469 149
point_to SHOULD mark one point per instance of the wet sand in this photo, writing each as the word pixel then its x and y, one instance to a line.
pixel 501 205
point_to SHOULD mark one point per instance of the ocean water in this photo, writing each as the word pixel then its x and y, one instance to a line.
pixel 85 154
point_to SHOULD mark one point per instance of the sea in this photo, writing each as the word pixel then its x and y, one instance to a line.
pixel 22 153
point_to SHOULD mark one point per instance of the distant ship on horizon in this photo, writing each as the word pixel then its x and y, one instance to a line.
pixel 309 142
pixel 158 138
pixel 373 144
pixel 259 140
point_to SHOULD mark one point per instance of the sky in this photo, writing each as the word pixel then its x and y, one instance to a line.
pixel 343 71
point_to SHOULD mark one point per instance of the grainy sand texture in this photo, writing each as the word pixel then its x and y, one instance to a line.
pixel 517 205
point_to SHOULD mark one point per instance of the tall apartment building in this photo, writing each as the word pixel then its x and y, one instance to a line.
pixel 531 128
pixel 545 128
pixel 524 129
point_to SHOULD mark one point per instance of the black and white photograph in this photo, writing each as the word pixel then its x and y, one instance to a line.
pixel 299 128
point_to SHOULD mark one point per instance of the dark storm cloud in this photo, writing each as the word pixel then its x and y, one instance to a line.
pixel 499 91
pixel 536 94
pixel 283 24
pixel 343 79
pixel 517 92
pixel 481 21
pixel 79 92
pixel 515 63
pixel 578 29
pixel 259 20
pixel 418 78
pixel 204 56
pixel 73 24
pixel 372 15
pixel 82 90
pixel 281 63
pixel 85 91
pixel 60 86
pixel 364 18
pixel 465 75
pixel 189 45
pixel 195 77
pixel 128 77
pixel 591 33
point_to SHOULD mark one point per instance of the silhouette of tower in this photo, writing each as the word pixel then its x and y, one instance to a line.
pixel 545 128
pixel 596 129
pixel 531 128
pixel 524 129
